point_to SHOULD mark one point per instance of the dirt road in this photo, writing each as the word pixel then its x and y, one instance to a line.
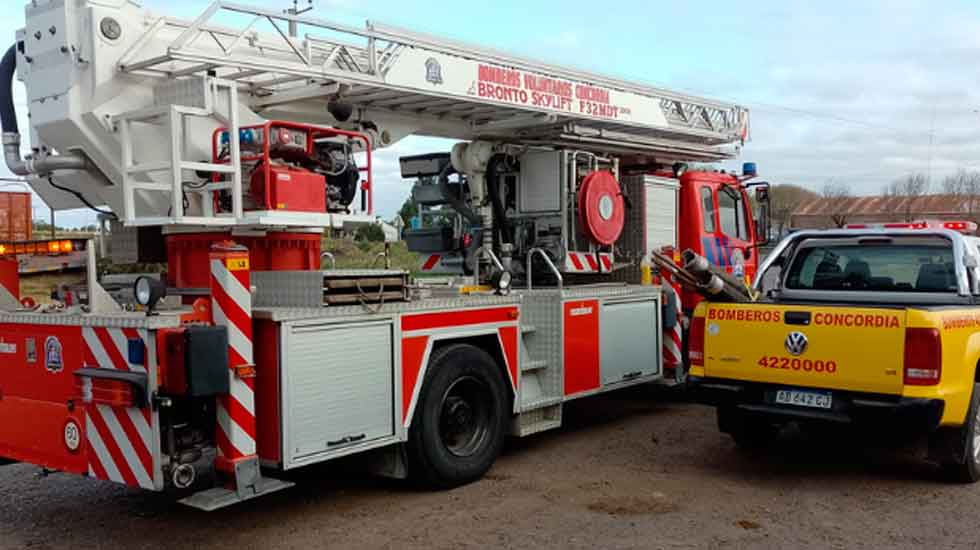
pixel 627 471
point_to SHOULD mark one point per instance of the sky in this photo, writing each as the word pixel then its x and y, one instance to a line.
pixel 859 93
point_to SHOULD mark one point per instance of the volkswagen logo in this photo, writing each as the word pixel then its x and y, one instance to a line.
pixel 796 343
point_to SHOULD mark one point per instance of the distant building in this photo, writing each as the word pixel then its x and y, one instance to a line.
pixel 820 212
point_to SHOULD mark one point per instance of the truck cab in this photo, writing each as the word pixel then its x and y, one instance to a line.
pixel 717 220
pixel 873 326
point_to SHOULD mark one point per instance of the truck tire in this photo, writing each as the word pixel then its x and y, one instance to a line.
pixel 460 420
pixel 750 431
pixel 959 448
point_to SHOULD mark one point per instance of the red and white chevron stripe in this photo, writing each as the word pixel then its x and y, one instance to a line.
pixel 119 438
pixel 672 336
pixel 585 262
pixel 231 307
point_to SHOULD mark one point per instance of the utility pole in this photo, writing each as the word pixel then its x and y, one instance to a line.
pixel 932 137
pixel 293 26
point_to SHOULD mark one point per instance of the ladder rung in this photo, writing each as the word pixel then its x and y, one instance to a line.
pixel 151 186
pixel 208 167
pixel 152 166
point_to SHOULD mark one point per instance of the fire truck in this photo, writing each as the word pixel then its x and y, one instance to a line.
pixel 225 146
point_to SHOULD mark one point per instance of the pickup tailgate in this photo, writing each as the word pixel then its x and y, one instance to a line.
pixel 828 347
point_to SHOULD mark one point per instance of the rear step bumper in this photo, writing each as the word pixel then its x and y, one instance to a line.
pixel 848 407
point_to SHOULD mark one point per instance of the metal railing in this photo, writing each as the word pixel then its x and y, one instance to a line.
pixel 493 258
pixel 547 260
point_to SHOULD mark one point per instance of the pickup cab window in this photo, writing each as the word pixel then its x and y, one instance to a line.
pixel 885 267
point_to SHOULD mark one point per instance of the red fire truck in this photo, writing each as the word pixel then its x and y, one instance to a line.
pixel 226 151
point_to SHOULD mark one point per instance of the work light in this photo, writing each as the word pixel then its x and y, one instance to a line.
pixel 148 291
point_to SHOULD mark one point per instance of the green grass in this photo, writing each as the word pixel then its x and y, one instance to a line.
pixel 362 254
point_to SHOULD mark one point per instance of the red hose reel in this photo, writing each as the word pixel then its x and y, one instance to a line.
pixel 601 208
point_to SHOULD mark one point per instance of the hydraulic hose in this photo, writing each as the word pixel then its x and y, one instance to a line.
pixel 8 116
pixel 501 227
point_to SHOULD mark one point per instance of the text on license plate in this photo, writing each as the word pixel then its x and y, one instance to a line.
pixel 817 400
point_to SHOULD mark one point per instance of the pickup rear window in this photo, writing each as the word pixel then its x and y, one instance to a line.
pixel 886 267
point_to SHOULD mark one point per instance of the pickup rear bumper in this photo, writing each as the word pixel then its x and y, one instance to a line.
pixel 847 407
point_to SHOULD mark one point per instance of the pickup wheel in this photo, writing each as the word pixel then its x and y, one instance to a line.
pixel 960 448
pixel 750 431
pixel 460 420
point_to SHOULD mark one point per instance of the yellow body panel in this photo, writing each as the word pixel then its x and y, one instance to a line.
pixel 857 349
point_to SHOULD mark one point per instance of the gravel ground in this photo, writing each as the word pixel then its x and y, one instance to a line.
pixel 629 470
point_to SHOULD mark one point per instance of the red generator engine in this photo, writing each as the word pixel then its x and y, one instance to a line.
pixel 283 187
pixel 298 167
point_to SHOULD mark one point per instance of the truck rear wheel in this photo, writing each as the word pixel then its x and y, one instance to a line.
pixel 460 420
pixel 750 431
pixel 960 448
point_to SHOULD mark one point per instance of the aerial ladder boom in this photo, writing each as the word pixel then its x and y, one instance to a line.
pixel 132 98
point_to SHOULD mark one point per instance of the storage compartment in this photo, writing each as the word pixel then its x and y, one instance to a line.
pixel 629 335
pixel 338 388
pixel 581 361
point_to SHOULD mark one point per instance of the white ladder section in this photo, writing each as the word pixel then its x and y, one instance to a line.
pixel 380 68
pixel 173 115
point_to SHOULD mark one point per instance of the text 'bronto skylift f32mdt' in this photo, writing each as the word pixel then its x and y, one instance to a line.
pixel 223 146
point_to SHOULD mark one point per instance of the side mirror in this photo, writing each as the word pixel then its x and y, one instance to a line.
pixel 763 224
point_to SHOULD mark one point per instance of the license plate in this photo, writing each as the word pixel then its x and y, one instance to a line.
pixel 817 400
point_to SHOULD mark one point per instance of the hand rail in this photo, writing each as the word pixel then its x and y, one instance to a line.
pixel 547 260
pixel 333 260
pixel 493 257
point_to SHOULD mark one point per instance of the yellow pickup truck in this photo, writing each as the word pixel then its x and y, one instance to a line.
pixel 869 326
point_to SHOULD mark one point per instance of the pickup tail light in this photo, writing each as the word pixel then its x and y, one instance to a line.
pixel 695 342
pixel 923 356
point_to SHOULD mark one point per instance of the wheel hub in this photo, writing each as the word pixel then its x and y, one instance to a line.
pixel 464 418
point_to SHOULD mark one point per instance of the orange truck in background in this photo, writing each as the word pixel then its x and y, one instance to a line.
pixel 16 222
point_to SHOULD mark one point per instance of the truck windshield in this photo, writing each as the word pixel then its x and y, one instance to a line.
pixel 884 267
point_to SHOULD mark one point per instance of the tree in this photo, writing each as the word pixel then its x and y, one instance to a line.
pixel 784 200
pixel 370 233
pixel 408 210
pixel 965 185
pixel 838 197
pixel 911 187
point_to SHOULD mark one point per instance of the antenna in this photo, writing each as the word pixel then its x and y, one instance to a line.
pixel 295 10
